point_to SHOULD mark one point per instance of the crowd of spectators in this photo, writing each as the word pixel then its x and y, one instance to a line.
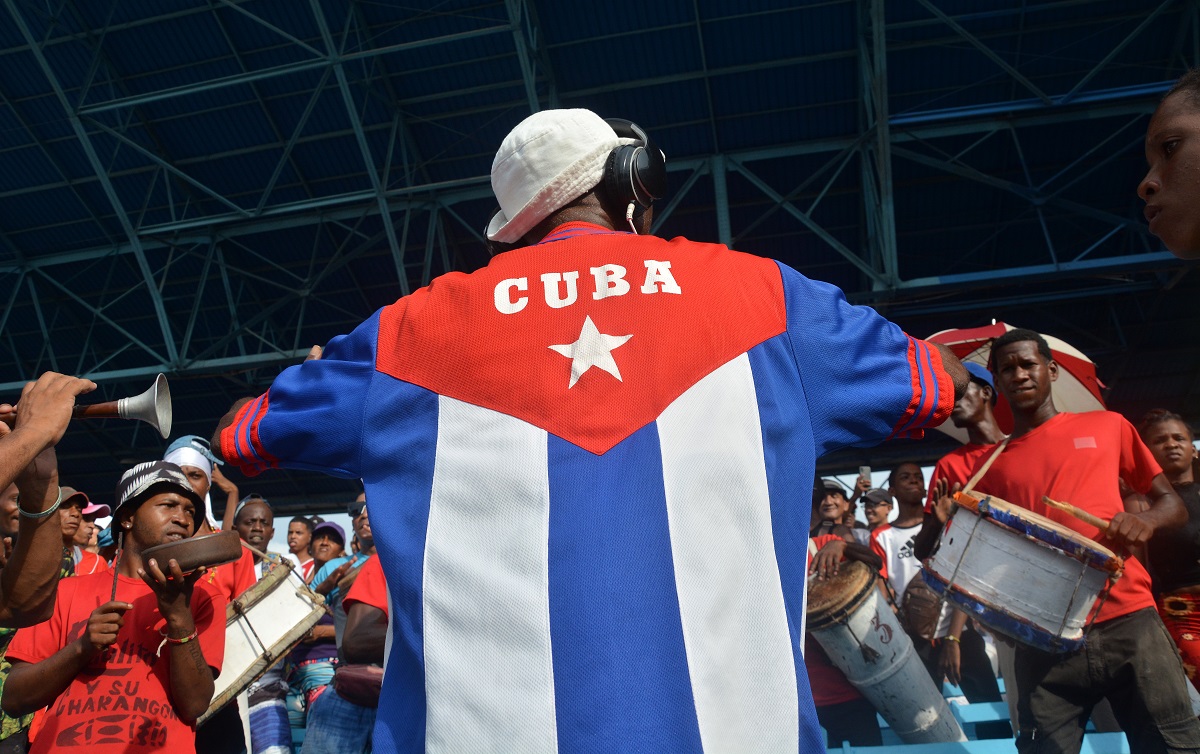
pixel 72 670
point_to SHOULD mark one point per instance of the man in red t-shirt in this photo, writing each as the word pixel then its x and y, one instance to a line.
pixel 134 673
pixel 1128 657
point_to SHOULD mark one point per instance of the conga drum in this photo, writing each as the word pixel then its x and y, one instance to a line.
pixel 855 625
pixel 1020 573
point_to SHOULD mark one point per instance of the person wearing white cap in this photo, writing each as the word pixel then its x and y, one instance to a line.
pixel 203 470
pixel 588 461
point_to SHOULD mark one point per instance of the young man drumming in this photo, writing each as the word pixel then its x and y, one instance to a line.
pixel 1128 657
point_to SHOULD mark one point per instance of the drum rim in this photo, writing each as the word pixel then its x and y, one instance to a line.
pixel 998 619
pixel 842 613
pixel 1091 553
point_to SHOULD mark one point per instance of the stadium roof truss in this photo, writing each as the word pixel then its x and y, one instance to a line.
pixel 208 191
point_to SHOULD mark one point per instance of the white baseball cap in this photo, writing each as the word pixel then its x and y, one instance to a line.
pixel 550 159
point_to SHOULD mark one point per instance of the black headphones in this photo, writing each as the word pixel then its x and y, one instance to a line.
pixel 634 172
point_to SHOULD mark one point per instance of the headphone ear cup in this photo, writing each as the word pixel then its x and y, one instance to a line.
pixel 618 175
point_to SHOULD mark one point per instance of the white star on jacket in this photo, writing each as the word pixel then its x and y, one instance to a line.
pixel 593 349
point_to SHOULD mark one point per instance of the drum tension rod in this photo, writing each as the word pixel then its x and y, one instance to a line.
pixel 237 607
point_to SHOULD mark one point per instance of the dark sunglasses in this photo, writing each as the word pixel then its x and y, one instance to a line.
pixel 357 508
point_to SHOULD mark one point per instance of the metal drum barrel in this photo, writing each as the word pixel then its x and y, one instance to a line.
pixel 856 627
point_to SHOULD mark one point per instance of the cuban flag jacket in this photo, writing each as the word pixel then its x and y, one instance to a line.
pixel 589 469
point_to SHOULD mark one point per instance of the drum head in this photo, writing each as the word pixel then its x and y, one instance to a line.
pixel 832 600
pixel 207 551
pixel 1052 533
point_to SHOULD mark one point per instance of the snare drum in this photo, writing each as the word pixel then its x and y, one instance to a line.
pixel 1021 574
pixel 261 626
pixel 856 627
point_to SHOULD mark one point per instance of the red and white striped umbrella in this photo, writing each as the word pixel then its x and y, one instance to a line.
pixel 1076 390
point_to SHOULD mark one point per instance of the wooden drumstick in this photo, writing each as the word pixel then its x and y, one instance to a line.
pixel 1082 515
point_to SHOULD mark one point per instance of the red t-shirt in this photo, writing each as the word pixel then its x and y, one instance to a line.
pixel 370 588
pixel 828 682
pixel 233 578
pixel 118 704
pixel 1078 458
pixel 89 563
pixel 957 466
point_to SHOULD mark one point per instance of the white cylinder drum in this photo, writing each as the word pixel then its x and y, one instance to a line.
pixel 856 627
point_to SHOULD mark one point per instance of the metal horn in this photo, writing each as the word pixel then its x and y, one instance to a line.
pixel 152 407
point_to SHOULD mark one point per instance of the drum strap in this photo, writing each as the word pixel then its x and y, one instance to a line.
pixel 987 465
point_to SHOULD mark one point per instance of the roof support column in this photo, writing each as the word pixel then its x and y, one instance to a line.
pixel 721 193
pixel 876 162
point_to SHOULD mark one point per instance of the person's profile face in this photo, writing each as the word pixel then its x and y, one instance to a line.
pixel 10 516
pixel 968 406
pixel 1171 187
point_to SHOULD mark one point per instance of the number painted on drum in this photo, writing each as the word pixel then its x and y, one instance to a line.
pixel 883 630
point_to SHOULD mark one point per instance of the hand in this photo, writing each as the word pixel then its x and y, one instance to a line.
pixel 943 499
pixel 172 589
pixel 348 580
pixel 8 415
pixel 103 625
pixel 862 486
pixel 331 581
pixel 5 552
pixel 825 562
pixel 950 661
pixel 1128 530
pixel 45 406
pixel 223 482
pixel 314 354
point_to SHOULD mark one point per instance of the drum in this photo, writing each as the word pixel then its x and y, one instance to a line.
pixel 1019 573
pixel 261 626
pixel 855 625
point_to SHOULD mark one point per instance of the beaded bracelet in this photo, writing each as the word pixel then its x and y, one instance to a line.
pixel 44 513
pixel 183 640
pixel 169 640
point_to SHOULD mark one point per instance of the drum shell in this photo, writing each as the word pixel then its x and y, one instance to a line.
pixel 261 627
pixel 894 679
pixel 1014 583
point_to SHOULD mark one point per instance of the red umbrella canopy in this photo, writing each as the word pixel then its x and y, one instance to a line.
pixel 1076 390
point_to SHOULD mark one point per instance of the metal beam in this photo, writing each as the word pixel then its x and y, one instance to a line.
pixel 518 18
pixel 356 122
pixel 721 197
pixel 811 224
pixel 987 51
pixel 98 168
pixel 282 70
pixel 876 161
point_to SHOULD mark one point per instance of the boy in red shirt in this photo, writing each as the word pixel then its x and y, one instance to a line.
pixel 1128 657
pixel 131 674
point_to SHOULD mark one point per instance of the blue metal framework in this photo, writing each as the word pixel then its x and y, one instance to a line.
pixel 209 190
